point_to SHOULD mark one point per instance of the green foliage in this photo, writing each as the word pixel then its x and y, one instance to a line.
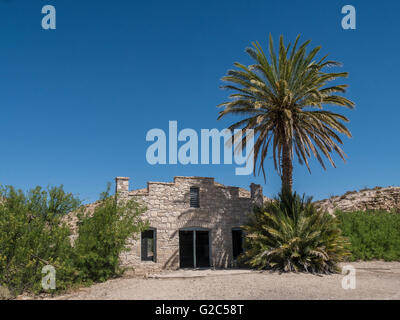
pixel 102 237
pixel 33 235
pixel 373 234
pixel 290 234
pixel 284 96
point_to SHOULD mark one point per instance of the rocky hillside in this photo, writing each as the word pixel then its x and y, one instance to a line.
pixel 367 199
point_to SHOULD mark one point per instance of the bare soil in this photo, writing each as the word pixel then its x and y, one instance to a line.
pixel 374 280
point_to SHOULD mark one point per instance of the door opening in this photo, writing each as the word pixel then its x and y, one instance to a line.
pixel 237 242
pixel 194 249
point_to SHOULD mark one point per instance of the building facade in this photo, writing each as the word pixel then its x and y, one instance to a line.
pixel 194 223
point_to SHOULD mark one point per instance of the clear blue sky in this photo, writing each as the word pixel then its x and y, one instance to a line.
pixel 77 101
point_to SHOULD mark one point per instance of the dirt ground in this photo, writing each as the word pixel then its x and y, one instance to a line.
pixel 374 280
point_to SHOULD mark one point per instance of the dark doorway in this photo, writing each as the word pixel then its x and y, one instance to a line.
pixel 202 250
pixel 237 242
pixel 194 249
pixel 186 249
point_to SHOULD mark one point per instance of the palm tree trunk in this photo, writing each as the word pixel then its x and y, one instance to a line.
pixel 287 169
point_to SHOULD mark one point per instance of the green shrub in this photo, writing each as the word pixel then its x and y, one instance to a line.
pixel 373 235
pixel 32 236
pixel 103 235
pixel 290 234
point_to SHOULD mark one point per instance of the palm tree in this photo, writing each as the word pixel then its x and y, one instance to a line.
pixel 283 98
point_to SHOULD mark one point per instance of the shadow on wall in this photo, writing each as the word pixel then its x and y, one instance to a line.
pixel 172 261
pixel 217 220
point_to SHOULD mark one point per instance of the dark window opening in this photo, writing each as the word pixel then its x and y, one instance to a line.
pixel 237 242
pixel 194 197
pixel 149 245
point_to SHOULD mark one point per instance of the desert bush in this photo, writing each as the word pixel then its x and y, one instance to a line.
pixel 290 234
pixel 32 236
pixel 373 234
pixel 103 235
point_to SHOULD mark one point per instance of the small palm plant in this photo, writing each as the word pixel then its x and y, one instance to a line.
pixel 291 235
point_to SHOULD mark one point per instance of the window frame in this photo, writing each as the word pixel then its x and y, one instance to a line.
pixel 197 200
pixel 144 255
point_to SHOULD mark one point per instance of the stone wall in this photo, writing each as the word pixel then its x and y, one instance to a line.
pixel 168 210
pixel 368 199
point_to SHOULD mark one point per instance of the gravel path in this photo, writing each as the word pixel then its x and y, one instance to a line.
pixel 374 280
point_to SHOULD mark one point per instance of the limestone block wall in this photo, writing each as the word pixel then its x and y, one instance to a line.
pixel 168 210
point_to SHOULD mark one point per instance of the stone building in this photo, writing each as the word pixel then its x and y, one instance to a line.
pixel 194 222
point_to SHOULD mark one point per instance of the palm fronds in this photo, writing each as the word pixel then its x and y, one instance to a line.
pixel 282 97
pixel 291 235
